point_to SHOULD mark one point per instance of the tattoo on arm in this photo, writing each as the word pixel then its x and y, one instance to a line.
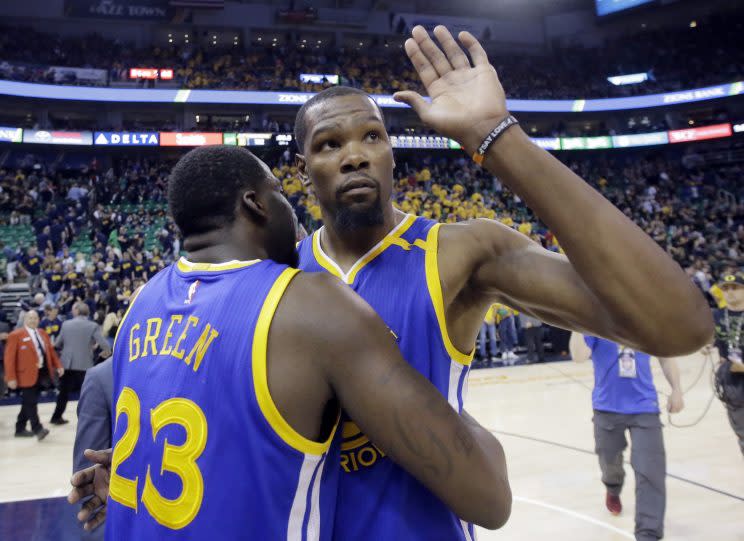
pixel 435 453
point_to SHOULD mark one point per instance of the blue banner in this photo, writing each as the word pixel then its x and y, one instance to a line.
pixel 125 138
pixel 253 97
pixel 606 7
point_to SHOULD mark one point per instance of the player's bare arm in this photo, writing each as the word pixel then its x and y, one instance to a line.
pixel 354 359
pixel 611 267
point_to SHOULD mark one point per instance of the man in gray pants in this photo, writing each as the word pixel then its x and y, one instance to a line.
pixel 76 339
pixel 625 399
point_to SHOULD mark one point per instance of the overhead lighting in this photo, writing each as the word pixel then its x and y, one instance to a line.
pixel 693 24
pixel 691 122
pixel 274 39
pixel 630 79
pixel 320 41
pixel 170 41
pixel 170 35
pixel 360 43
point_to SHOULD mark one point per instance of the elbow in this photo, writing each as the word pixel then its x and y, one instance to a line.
pixel 678 336
pixel 696 333
pixel 499 510
pixel 703 331
pixel 491 506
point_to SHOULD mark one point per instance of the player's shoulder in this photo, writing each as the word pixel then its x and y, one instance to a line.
pixel 478 234
pixel 310 287
pixel 320 303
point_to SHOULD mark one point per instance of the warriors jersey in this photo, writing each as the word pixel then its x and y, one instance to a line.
pixel 200 449
pixel 399 278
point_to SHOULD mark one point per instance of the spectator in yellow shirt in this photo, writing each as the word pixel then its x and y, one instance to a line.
pixel 507 332
pixel 488 333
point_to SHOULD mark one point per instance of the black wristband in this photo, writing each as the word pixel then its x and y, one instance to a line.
pixel 480 154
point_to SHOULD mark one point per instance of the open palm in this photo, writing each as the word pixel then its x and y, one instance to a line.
pixel 463 96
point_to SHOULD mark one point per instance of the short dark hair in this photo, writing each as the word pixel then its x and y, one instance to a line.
pixel 204 184
pixel 300 129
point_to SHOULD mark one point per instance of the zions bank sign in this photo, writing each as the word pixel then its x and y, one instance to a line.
pixel 119 9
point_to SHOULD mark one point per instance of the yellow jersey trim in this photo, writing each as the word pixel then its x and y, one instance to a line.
pixel 390 239
pixel 260 375
pixel 184 265
pixel 434 284
pixel 326 262
pixel 132 298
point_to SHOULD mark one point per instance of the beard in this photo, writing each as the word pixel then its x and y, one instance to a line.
pixel 350 219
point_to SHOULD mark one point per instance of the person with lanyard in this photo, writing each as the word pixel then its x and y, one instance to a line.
pixel 728 341
pixel 27 350
pixel 624 398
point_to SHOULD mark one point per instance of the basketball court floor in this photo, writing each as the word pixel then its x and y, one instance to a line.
pixel 542 415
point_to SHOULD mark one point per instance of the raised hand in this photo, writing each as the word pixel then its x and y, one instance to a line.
pixel 93 481
pixel 467 101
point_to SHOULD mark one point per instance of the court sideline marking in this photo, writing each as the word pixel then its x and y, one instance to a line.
pixel 574 514
pixel 588 452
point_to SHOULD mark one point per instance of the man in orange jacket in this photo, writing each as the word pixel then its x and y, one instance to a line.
pixel 27 350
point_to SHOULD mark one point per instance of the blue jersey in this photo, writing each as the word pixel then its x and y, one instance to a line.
pixel 200 449
pixel 399 278
pixel 622 379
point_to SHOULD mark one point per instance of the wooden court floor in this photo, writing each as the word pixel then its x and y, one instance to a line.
pixel 541 414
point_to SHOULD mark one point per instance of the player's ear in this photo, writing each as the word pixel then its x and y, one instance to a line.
pixel 301 164
pixel 253 206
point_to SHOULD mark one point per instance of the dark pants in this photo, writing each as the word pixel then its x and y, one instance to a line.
pixel 535 348
pixel 71 381
pixel 29 409
pixel 647 458
pixel 508 334
pixel 736 418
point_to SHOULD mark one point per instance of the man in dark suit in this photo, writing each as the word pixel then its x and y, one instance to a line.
pixel 76 340
pixel 94 413
pixel 94 421
pixel 27 350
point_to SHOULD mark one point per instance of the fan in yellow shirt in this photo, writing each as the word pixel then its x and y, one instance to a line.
pixel 488 334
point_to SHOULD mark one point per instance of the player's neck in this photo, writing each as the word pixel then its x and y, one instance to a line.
pixel 345 247
pixel 220 247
